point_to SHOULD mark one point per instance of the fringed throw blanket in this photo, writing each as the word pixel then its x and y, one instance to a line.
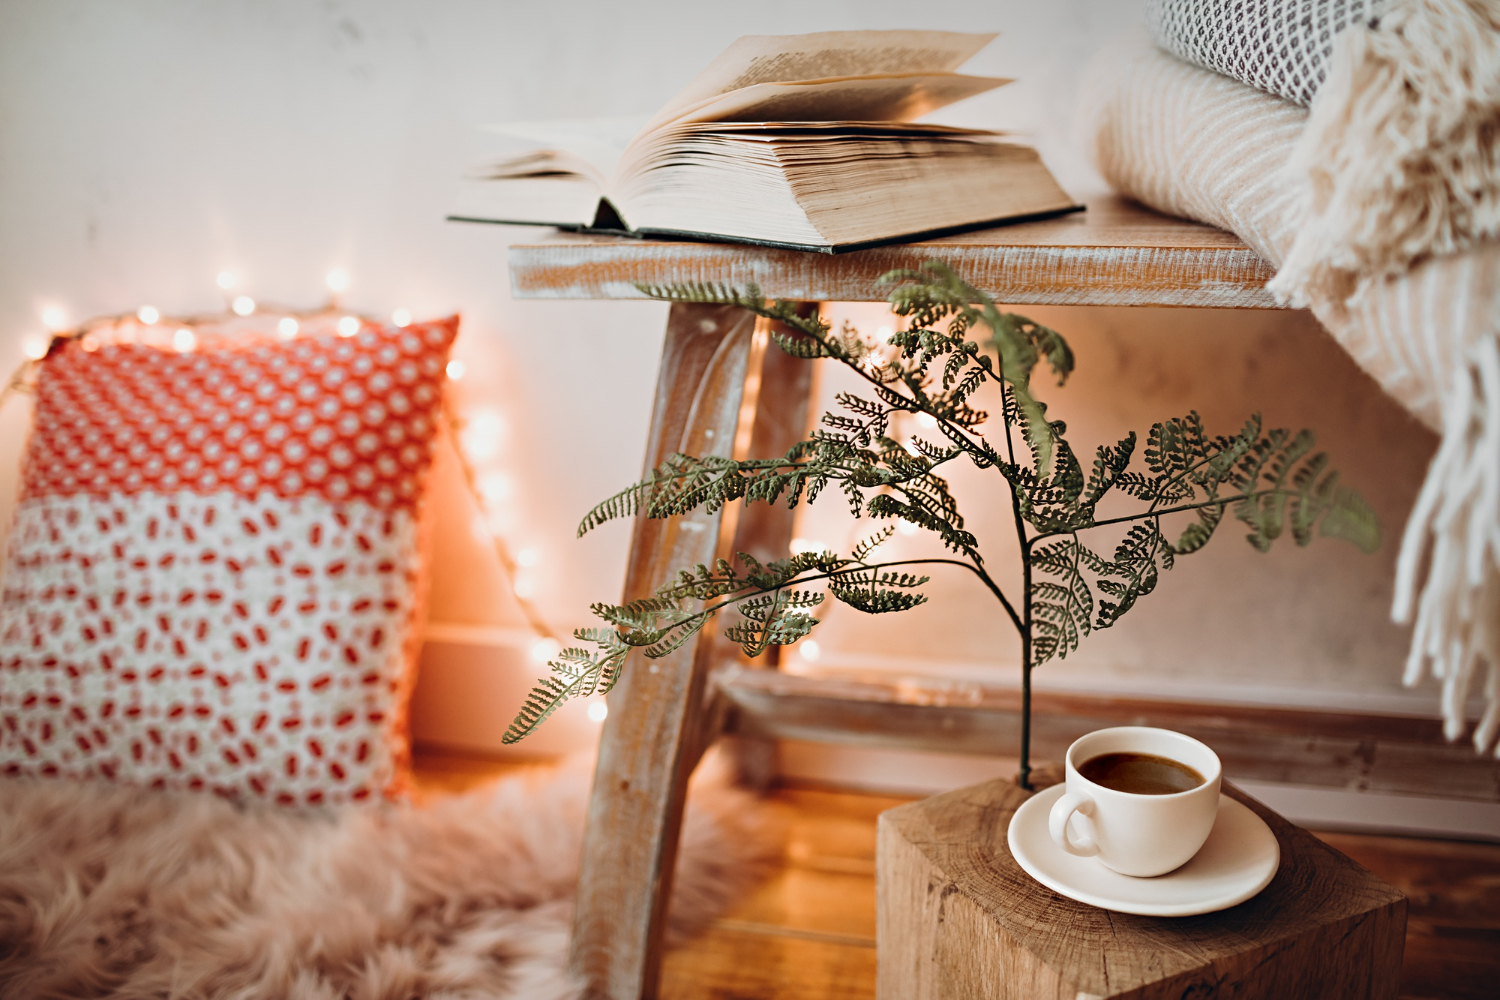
pixel 1380 204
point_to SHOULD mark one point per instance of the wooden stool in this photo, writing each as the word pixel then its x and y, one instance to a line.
pixel 959 919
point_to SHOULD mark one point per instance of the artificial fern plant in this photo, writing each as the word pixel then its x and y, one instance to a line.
pixel 955 341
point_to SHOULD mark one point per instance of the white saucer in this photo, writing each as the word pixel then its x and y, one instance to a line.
pixel 1238 860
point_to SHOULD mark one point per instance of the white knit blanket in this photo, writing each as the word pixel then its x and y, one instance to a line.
pixel 1381 207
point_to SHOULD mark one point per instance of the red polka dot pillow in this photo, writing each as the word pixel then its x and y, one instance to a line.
pixel 213 573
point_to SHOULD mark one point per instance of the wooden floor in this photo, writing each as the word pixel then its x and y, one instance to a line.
pixel 809 930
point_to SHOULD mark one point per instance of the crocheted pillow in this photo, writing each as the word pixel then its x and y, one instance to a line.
pixel 1279 46
pixel 214 566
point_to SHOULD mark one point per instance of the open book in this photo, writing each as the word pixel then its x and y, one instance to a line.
pixel 799 141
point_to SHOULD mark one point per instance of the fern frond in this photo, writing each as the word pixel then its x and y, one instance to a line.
pixel 870 544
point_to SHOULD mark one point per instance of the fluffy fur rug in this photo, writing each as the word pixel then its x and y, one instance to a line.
pixel 108 891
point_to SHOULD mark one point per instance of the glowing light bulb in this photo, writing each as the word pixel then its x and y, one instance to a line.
pixel 35 347
pixel 525 586
pixel 907 528
pixel 810 650
pixel 338 281
pixel 598 711
pixel 483 435
pixel 225 280
pixel 348 326
pixel 456 369
pixel 287 328
pixel 494 486
pixel 401 317
pixel 545 649
pixel 147 315
pixel 53 318
pixel 243 305
pixel 88 343
pixel 183 340
pixel 926 420
pixel 528 557
pixel 883 334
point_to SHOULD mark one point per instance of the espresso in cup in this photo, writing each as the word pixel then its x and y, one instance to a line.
pixel 1140 773
pixel 1141 800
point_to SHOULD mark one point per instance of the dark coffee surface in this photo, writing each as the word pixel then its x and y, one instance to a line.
pixel 1140 773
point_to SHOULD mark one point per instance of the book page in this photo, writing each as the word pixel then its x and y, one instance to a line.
pixel 587 146
pixel 869 98
pixel 825 55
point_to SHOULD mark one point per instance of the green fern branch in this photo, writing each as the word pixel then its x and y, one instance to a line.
pixel 955 341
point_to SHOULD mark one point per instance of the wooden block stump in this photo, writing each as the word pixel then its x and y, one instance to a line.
pixel 959 919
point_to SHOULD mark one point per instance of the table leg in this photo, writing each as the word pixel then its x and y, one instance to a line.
pixel 650 744
pixel 783 389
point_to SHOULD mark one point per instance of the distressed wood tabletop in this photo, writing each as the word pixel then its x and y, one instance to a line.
pixel 1115 253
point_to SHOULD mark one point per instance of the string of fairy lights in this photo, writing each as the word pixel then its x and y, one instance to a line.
pixel 477 433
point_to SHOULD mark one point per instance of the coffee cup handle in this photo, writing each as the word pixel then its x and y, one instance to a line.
pixel 1057 824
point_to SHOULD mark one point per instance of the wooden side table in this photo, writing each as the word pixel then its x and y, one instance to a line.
pixel 960 920
pixel 719 391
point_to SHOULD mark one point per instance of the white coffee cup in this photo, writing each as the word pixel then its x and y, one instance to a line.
pixel 1135 834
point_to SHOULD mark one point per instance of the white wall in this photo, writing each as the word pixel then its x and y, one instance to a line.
pixel 145 146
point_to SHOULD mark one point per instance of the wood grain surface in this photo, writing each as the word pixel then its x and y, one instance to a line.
pixel 774 415
pixel 1394 755
pixel 808 931
pixel 651 739
pixel 1116 253
pixel 958 918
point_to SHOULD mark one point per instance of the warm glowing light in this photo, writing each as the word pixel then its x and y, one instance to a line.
pixel 911 447
pixel 456 369
pixel 545 649
pixel 338 281
pixel 243 305
pixel 483 435
pixel 800 545
pixel 907 528
pixel 35 347
pixel 926 420
pixel 287 328
pixel 883 334
pixel 495 487
pixel 89 343
pixel 810 650
pixel 348 326
pixel 528 557
pixel 53 318
pixel 598 711
pixel 147 315
pixel 524 585
pixel 225 280
pixel 183 340
pixel 401 317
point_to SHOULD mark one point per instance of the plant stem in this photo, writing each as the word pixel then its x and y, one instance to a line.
pixel 1023 626
pixel 1217 502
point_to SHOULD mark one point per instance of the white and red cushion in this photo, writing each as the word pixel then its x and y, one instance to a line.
pixel 214 568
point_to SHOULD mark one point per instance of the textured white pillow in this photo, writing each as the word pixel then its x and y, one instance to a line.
pixel 1280 46
pixel 214 568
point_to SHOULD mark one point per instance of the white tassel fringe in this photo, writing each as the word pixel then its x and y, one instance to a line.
pixel 1456 524
pixel 1400 159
